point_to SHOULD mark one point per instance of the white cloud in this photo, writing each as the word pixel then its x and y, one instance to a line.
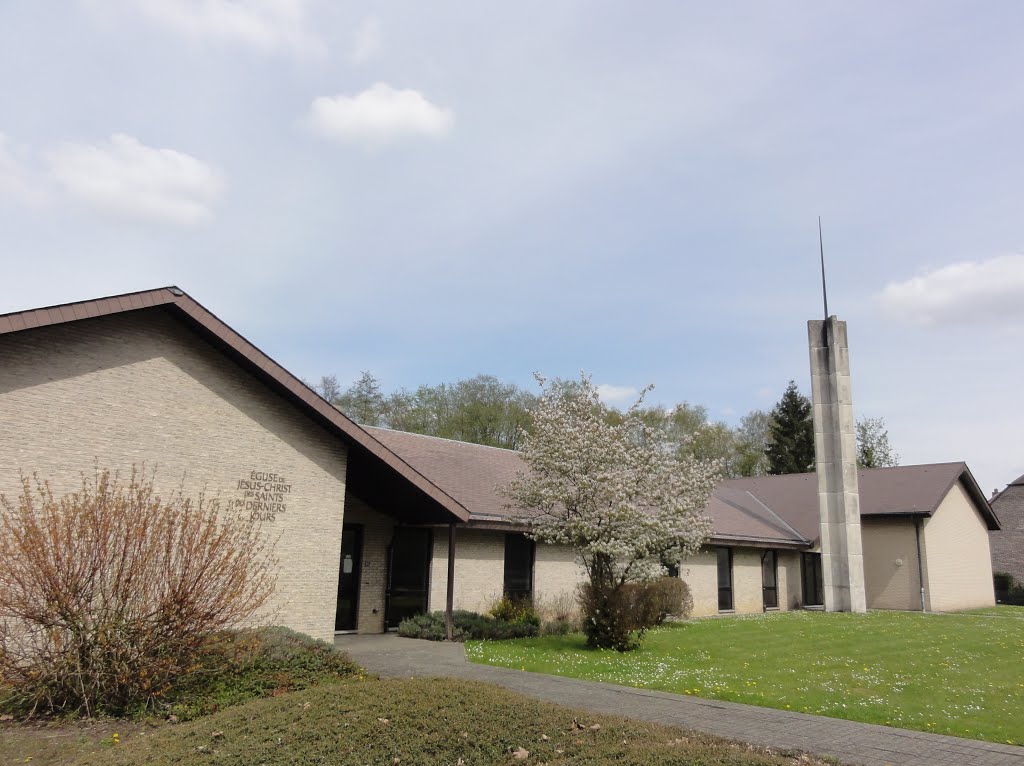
pixel 127 179
pixel 961 293
pixel 16 180
pixel 379 115
pixel 267 25
pixel 616 394
pixel 366 40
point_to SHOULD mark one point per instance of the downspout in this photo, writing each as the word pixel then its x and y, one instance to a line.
pixel 920 566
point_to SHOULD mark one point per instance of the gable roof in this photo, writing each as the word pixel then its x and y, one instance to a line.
pixel 776 510
pixel 906 490
pixel 470 473
pixel 414 490
pixel 441 480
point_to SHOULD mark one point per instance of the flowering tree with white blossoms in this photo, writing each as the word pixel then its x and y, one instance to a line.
pixel 616 492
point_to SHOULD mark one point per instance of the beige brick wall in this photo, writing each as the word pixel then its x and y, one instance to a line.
pixel 957 559
pixel 701 573
pixel 142 388
pixel 790 595
pixel 556 573
pixel 748 596
pixel 479 569
pixel 891 576
pixel 378 530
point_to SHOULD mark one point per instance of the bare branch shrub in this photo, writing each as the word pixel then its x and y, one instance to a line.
pixel 561 606
pixel 110 595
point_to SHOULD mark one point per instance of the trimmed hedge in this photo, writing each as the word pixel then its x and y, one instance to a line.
pixel 467 625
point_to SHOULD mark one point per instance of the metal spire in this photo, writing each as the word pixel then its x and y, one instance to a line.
pixel 821 247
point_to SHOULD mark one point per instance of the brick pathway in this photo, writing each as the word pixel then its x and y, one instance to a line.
pixel 848 741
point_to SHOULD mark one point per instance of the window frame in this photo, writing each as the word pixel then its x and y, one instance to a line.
pixel 727 589
pixel 807 574
pixel 772 589
pixel 519 594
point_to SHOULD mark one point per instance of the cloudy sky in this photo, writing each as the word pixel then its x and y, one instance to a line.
pixel 433 190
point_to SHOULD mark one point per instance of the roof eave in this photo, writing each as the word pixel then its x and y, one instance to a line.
pixel 243 350
pixel 758 542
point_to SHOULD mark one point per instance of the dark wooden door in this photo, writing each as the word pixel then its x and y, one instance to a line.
pixel 347 616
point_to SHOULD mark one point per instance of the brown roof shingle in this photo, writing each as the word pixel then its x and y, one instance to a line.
pixel 764 509
pixel 445 480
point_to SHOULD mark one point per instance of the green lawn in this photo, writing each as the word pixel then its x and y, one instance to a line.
pixel 407 722
pixel 960 674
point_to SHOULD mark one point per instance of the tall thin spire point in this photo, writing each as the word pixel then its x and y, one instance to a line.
pixel 821 248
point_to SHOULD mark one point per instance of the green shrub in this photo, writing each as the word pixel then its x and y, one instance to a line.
pixel 608 620
pixel 508 610
pixel 248 665
pixel 467 625
pixel 556 627
pixel 618 617
pixel 1008 591
pixel 662 598
pixel 431 627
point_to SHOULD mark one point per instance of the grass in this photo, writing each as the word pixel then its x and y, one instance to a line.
pixel 409 721
pixel 958 674
pixel 60 742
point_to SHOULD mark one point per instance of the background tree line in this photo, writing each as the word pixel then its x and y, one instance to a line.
pixel 484 410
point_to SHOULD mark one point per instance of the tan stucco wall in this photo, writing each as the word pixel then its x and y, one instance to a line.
pixel 378 529
pixel 141 388
pixel 891 576
pixel 701 573
pixel 957 560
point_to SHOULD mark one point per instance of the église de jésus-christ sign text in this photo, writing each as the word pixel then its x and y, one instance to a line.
pixel 264 495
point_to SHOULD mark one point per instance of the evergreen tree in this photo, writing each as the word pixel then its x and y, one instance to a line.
pixel 792 434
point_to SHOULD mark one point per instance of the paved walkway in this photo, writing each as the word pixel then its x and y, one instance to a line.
pixel 848 741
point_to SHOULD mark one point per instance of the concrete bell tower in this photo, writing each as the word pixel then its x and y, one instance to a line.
pixel 835 457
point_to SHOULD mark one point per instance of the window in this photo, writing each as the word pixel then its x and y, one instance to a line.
pixel 813 587
pixel 408 574
pixel 724 579
pixel 519 550
pixel 770 580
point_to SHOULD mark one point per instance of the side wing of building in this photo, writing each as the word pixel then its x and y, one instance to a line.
pixel 143 388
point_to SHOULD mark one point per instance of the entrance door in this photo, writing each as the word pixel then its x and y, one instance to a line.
pixel 347 616
pixel 408 574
